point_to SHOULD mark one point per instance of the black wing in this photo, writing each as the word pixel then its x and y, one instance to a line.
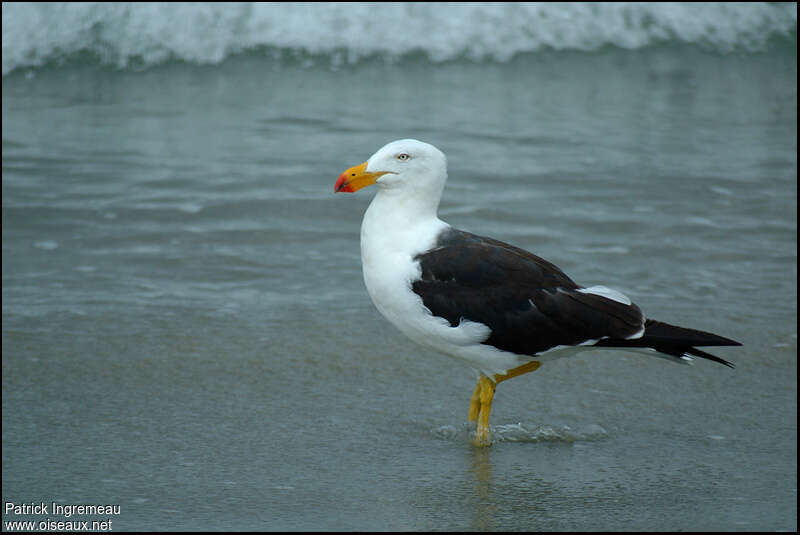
pixel 529 304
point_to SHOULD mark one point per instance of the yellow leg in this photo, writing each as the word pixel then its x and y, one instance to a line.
pixel 519 370
pixel 480 404
pixel 483 437
pixel 475 403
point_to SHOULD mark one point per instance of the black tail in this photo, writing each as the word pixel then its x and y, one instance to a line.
pixel 675 341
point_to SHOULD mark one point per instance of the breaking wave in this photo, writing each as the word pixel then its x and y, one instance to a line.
pixel 133 35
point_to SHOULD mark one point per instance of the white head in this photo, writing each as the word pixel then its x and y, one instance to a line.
pixel 408 166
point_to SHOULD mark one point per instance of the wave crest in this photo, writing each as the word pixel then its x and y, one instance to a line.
pixel 149 34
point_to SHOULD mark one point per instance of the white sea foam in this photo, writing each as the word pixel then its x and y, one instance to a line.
pixel 525 432
pixel 146 34
pixel 47 245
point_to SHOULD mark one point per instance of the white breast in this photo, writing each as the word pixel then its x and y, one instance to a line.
pixel 387 254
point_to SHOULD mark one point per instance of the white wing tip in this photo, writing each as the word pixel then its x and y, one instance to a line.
pixel 608 293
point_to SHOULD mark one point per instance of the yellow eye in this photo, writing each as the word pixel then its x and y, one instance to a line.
pixel 403 156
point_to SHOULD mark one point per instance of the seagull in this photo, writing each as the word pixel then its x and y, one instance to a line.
pixel 501 310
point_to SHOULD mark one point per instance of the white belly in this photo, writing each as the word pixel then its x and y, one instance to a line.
pixel 389 269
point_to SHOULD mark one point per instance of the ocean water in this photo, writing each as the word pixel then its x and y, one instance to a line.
pixel 185 328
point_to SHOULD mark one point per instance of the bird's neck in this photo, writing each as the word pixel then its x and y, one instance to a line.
pixel 401 223
pixel 403 208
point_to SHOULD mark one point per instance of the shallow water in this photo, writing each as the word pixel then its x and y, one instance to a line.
pixel 186 332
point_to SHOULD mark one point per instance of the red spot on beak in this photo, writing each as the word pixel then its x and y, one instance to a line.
pixel 342 185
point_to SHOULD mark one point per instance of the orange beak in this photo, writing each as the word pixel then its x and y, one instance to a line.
pixel 356 178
